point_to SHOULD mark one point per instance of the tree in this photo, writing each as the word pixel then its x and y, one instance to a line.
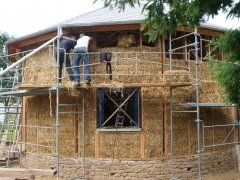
pixel 164 16
pixel 4 37
pixel 227 72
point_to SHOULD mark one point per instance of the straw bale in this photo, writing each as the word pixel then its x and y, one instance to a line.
pixel 180 64
pixel 119 145
pixel 153 93
pixel 41 68
pixel 128 66
pixel 39 114
pixel 123 145
pixel 185 131
pixel 126 40
pixel 175 76
pixel 152 124
pixel 222 116
pixel 90 124
pixel 211 92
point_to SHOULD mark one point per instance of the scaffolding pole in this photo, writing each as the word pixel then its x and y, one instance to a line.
pixel 170 52
pixel 59 34
pixel 171 109
pixel 196 85
pixel 197 104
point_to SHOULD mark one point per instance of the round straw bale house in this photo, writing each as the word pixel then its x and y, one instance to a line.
pixel 157 114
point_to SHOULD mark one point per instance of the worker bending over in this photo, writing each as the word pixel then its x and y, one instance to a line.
pixel 66 45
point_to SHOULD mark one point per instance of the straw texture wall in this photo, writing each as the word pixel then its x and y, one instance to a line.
pixel 41 68
pixel 153 141
pixel 41 112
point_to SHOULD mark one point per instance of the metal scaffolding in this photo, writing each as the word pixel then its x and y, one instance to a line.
pixel 135 58
pixel 196 47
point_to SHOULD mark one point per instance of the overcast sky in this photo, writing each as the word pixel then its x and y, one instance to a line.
pixel 21 17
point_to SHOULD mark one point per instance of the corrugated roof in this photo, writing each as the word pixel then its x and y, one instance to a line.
pixel 106 16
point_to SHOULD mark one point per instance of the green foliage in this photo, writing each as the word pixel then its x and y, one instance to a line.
pixel 229 44
pixel 227 73
pixel 235 11
pixel 164 16
pixel 4 37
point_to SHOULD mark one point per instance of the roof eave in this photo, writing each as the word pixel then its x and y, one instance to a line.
pixel 54 28
pixel 38 33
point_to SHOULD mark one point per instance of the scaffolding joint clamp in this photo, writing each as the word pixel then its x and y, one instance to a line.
pixel 199 151
pixel 197 120
pixel 197 83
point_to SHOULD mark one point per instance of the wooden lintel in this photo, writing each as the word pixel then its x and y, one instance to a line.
pixel 121 27
pixel 100 28
pixel 36 40
pixel 45 37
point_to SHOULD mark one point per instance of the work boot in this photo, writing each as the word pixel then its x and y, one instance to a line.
pixel 76 85
pixel 87 82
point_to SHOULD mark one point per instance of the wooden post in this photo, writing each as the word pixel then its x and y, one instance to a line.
pixel 76 120
pixel 96 144
pixel 142 148
pixel 141 39
pixel 185 56
pixel 164 48
pixel 166 129
pixel 24 122
pixel 209 47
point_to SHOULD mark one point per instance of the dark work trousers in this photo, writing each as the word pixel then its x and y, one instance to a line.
pixel 67 64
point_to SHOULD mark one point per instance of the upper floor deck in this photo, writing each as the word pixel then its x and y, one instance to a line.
pixel 134 66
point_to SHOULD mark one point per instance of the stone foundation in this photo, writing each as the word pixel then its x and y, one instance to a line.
pixel 185 167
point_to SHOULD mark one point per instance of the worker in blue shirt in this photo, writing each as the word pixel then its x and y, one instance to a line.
pixel 66 45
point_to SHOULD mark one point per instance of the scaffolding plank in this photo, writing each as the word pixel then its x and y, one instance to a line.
pixel 28 90
pixel 111 85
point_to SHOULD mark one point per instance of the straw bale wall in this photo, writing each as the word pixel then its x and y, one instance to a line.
pixel 152 116
pixel 153 141
pixel 41 68
pixel 41 112
pixel 119 145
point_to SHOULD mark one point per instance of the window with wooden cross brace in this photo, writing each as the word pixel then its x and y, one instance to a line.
pixel 119 108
